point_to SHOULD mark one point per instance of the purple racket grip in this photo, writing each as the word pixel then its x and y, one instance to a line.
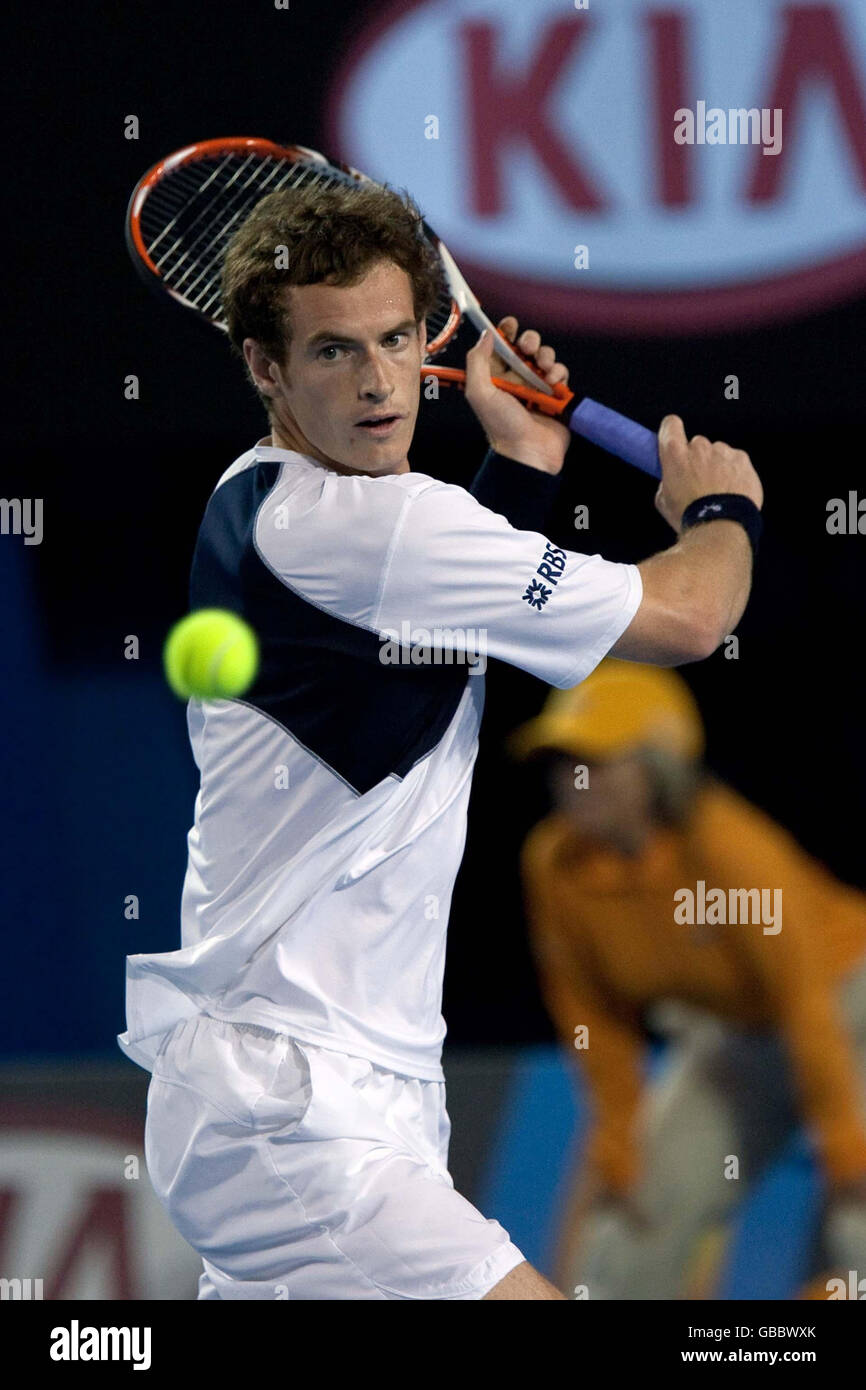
pixel 618 435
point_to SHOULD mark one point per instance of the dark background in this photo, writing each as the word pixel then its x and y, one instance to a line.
pixel 99 783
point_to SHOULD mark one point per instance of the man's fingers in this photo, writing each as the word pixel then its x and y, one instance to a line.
pixel 695 467
pixel 529 342
pixel 478 359
pixel 672 428
pixel 672 438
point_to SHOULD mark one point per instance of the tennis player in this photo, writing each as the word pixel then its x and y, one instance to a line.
pixel 297 1131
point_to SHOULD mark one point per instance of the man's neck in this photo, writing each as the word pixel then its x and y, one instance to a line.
pixel 282 438
pixel 285 437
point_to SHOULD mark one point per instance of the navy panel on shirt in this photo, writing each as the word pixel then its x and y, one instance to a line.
pixel 320 677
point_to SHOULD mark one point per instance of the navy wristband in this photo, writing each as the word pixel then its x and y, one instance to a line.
pixel 726 506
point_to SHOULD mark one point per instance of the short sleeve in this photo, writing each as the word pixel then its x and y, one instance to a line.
pixel 463 575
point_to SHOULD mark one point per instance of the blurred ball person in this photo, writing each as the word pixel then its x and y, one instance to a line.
pixel 764 1008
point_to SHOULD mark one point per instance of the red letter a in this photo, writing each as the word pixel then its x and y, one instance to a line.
pixel 813 47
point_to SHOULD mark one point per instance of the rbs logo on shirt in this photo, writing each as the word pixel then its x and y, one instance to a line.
pixel 551 568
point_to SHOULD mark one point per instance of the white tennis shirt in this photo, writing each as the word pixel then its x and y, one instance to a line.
pixel 331 817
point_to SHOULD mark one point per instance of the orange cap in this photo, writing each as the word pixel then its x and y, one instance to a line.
pixel 620 706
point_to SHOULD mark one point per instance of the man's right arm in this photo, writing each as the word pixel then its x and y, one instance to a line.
pixel 694 594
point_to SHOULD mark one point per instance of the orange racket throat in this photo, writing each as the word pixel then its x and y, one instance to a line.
pixel 534 400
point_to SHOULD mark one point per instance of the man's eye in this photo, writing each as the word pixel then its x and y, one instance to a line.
pixel 330 353
pixel 396 339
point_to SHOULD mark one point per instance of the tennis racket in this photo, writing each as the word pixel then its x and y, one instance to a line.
pixel 185 210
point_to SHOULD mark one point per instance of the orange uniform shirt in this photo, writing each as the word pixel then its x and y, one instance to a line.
pixel 607 946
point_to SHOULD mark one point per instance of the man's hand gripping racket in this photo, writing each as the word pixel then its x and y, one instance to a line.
pixel 615 433
pixel 511 429
pixel 186 209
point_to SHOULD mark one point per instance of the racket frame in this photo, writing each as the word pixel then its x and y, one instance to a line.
pixel 535 391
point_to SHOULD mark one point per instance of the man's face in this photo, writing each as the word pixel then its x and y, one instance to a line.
pixel 352 380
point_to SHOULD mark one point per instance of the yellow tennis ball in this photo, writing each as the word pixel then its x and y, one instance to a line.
pixel 211 654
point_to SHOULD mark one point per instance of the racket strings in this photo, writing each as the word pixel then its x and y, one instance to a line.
pixel 186 188
pixel 238 214
pixel 443 316
pixel 294 176
pixel 192 213
pixel 207 215
pixel 205 212
pixel 233 215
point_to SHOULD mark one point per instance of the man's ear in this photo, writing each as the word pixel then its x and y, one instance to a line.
pixel 422 336
pixel 259 366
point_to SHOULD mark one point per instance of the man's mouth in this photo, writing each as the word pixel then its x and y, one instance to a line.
pixel 379 426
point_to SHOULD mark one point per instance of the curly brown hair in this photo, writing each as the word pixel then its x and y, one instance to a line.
pixel 332 234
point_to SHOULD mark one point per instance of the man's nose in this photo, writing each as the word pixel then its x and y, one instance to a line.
pixel 374 380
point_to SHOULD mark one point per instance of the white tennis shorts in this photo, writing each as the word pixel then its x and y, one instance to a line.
pixel 298 1172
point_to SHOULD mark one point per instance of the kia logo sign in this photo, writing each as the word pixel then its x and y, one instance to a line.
pixel 630 166
pixel 78 1216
